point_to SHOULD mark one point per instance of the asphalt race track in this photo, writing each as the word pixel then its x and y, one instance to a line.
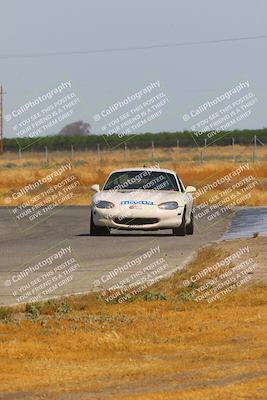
pixel 68 228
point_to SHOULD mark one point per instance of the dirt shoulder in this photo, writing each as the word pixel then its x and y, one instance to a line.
pixel 257 250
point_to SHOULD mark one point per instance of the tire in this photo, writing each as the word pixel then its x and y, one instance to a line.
pixel 190 226
pixel 181 230
pixel 98 230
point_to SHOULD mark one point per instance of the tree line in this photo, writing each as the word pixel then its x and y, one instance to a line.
pixel 145 140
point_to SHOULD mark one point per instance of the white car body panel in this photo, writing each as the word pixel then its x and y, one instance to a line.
pixel 135 205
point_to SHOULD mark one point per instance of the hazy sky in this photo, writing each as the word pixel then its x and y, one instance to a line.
pixel 188 75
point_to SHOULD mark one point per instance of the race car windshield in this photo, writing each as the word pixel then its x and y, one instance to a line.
pixel 141 180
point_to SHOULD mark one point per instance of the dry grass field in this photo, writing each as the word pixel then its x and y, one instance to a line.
pixel 91 167
pixel 158 347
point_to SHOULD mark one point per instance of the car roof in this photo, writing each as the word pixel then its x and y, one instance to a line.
pixel 145 169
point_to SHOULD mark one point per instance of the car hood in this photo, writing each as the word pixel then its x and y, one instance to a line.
pixel 140 197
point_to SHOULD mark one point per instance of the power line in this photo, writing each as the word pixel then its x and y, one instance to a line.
pixel 133 48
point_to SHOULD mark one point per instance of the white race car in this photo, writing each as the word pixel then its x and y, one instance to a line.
pixel 142 199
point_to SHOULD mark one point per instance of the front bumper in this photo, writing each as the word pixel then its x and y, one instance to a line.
pixel 143 219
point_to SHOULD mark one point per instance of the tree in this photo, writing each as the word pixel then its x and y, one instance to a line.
pixel 78 128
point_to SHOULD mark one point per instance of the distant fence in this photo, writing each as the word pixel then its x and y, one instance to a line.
pixel 200 152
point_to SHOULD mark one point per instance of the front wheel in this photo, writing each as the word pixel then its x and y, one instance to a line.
pixel 181 230
pixel 190 226
pixel 98 230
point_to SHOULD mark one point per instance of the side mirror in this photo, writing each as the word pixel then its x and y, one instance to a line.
pixel 190 189
pixel 96 188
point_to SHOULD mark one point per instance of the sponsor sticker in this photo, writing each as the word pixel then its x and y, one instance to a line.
pixel 137 202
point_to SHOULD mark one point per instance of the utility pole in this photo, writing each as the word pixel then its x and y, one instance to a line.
pixel 1 121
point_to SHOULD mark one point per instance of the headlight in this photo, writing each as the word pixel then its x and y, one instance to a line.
pixel 104 204
pixel 169 205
